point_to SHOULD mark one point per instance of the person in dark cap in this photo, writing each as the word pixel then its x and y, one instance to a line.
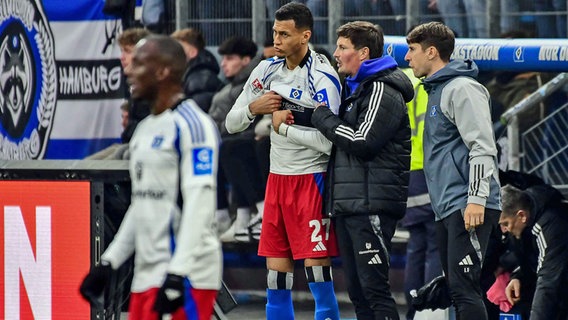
pixel 238 163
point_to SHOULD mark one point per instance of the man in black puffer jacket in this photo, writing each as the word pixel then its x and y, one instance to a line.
pixel 368 172
pixel 200 81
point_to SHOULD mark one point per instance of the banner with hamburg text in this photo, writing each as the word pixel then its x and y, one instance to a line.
pixel 60 79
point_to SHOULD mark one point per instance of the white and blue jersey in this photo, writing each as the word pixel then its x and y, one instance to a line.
pixel 304 149
pixel 170 221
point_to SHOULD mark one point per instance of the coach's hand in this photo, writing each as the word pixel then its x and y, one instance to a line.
pixel 94 284
pixel 171 295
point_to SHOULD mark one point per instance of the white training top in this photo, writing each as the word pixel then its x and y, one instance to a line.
pixel 168 214
pixel 304 149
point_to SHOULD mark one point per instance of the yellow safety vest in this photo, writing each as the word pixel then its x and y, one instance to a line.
pixel 416 114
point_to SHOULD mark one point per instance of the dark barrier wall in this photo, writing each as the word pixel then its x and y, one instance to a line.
pixel 56 219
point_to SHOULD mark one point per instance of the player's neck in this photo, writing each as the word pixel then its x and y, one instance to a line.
pixel 167 99
pixel 294 60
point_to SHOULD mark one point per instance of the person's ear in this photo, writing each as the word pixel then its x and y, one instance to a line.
pixel 431 52
pixel 306 35
pixel 524 215
pixel 364 53
pixel 163 73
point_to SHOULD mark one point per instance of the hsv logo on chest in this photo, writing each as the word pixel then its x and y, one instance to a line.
pixel 296 94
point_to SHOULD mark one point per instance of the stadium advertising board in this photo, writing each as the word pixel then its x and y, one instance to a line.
pixel 45 245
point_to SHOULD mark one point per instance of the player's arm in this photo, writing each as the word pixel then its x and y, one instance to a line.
pixel 253 100
pixel 122 246
pixel 377 122
pixel 328 91
pixel 198 167
pixel 306 137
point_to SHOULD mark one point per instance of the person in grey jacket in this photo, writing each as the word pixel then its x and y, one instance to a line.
pixel 238 161
pixel 460 162
pixel 368 171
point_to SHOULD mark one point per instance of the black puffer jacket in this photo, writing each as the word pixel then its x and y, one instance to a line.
pixel 369 165
pixel 547 258
pixel 200 81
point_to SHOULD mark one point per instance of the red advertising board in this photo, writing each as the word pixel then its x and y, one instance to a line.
pixel 45 245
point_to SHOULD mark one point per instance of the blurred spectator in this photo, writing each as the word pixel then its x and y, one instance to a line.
pixel 268 50
pixel 200 79
pixel 238 156
pixel 211 11
pixel 422 256
pixel 467 18
pixel 138 109
pixel 124 114
pixel 552 25
pixel 153 12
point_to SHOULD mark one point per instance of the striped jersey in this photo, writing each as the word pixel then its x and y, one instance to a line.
pixel 304 149
pixel 170 221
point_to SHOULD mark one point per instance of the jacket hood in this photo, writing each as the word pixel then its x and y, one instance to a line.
pixel 542 196
pixel 203 60
pixel 456 68
pixel 382 69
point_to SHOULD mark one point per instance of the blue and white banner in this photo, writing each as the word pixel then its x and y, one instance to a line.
pixel 60 79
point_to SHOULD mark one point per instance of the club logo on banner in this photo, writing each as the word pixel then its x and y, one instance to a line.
pixel 28 79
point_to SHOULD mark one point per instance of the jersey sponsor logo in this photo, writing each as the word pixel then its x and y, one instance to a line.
pixel 287 105
pixel 202 161
pixel 151 194
pixel 157 142
pixel 256 86
pixel 321 97
pixel 433 111
pixel 28 80
pixel 296 94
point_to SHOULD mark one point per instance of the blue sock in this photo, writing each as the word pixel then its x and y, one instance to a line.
pixel 279 305
pixel 326 302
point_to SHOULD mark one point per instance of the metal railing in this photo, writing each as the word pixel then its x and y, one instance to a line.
pixel 543 147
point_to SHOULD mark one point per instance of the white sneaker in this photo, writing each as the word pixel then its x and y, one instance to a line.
pixel 229 235
pixel 223 225
pixel 251 232
pixel 243 235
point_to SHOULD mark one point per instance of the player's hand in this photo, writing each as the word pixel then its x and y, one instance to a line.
pixel 513 291
pixel 281 116
pixel 171 295
pixel 473 215
pixel 93 286
pixel 266 104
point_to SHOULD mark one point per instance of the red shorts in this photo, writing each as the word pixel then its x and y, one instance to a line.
pixel 292 224
pixel 198 305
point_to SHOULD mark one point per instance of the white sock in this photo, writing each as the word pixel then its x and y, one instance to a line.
pixel 260 208
pixel 222 215
pixel 243 218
